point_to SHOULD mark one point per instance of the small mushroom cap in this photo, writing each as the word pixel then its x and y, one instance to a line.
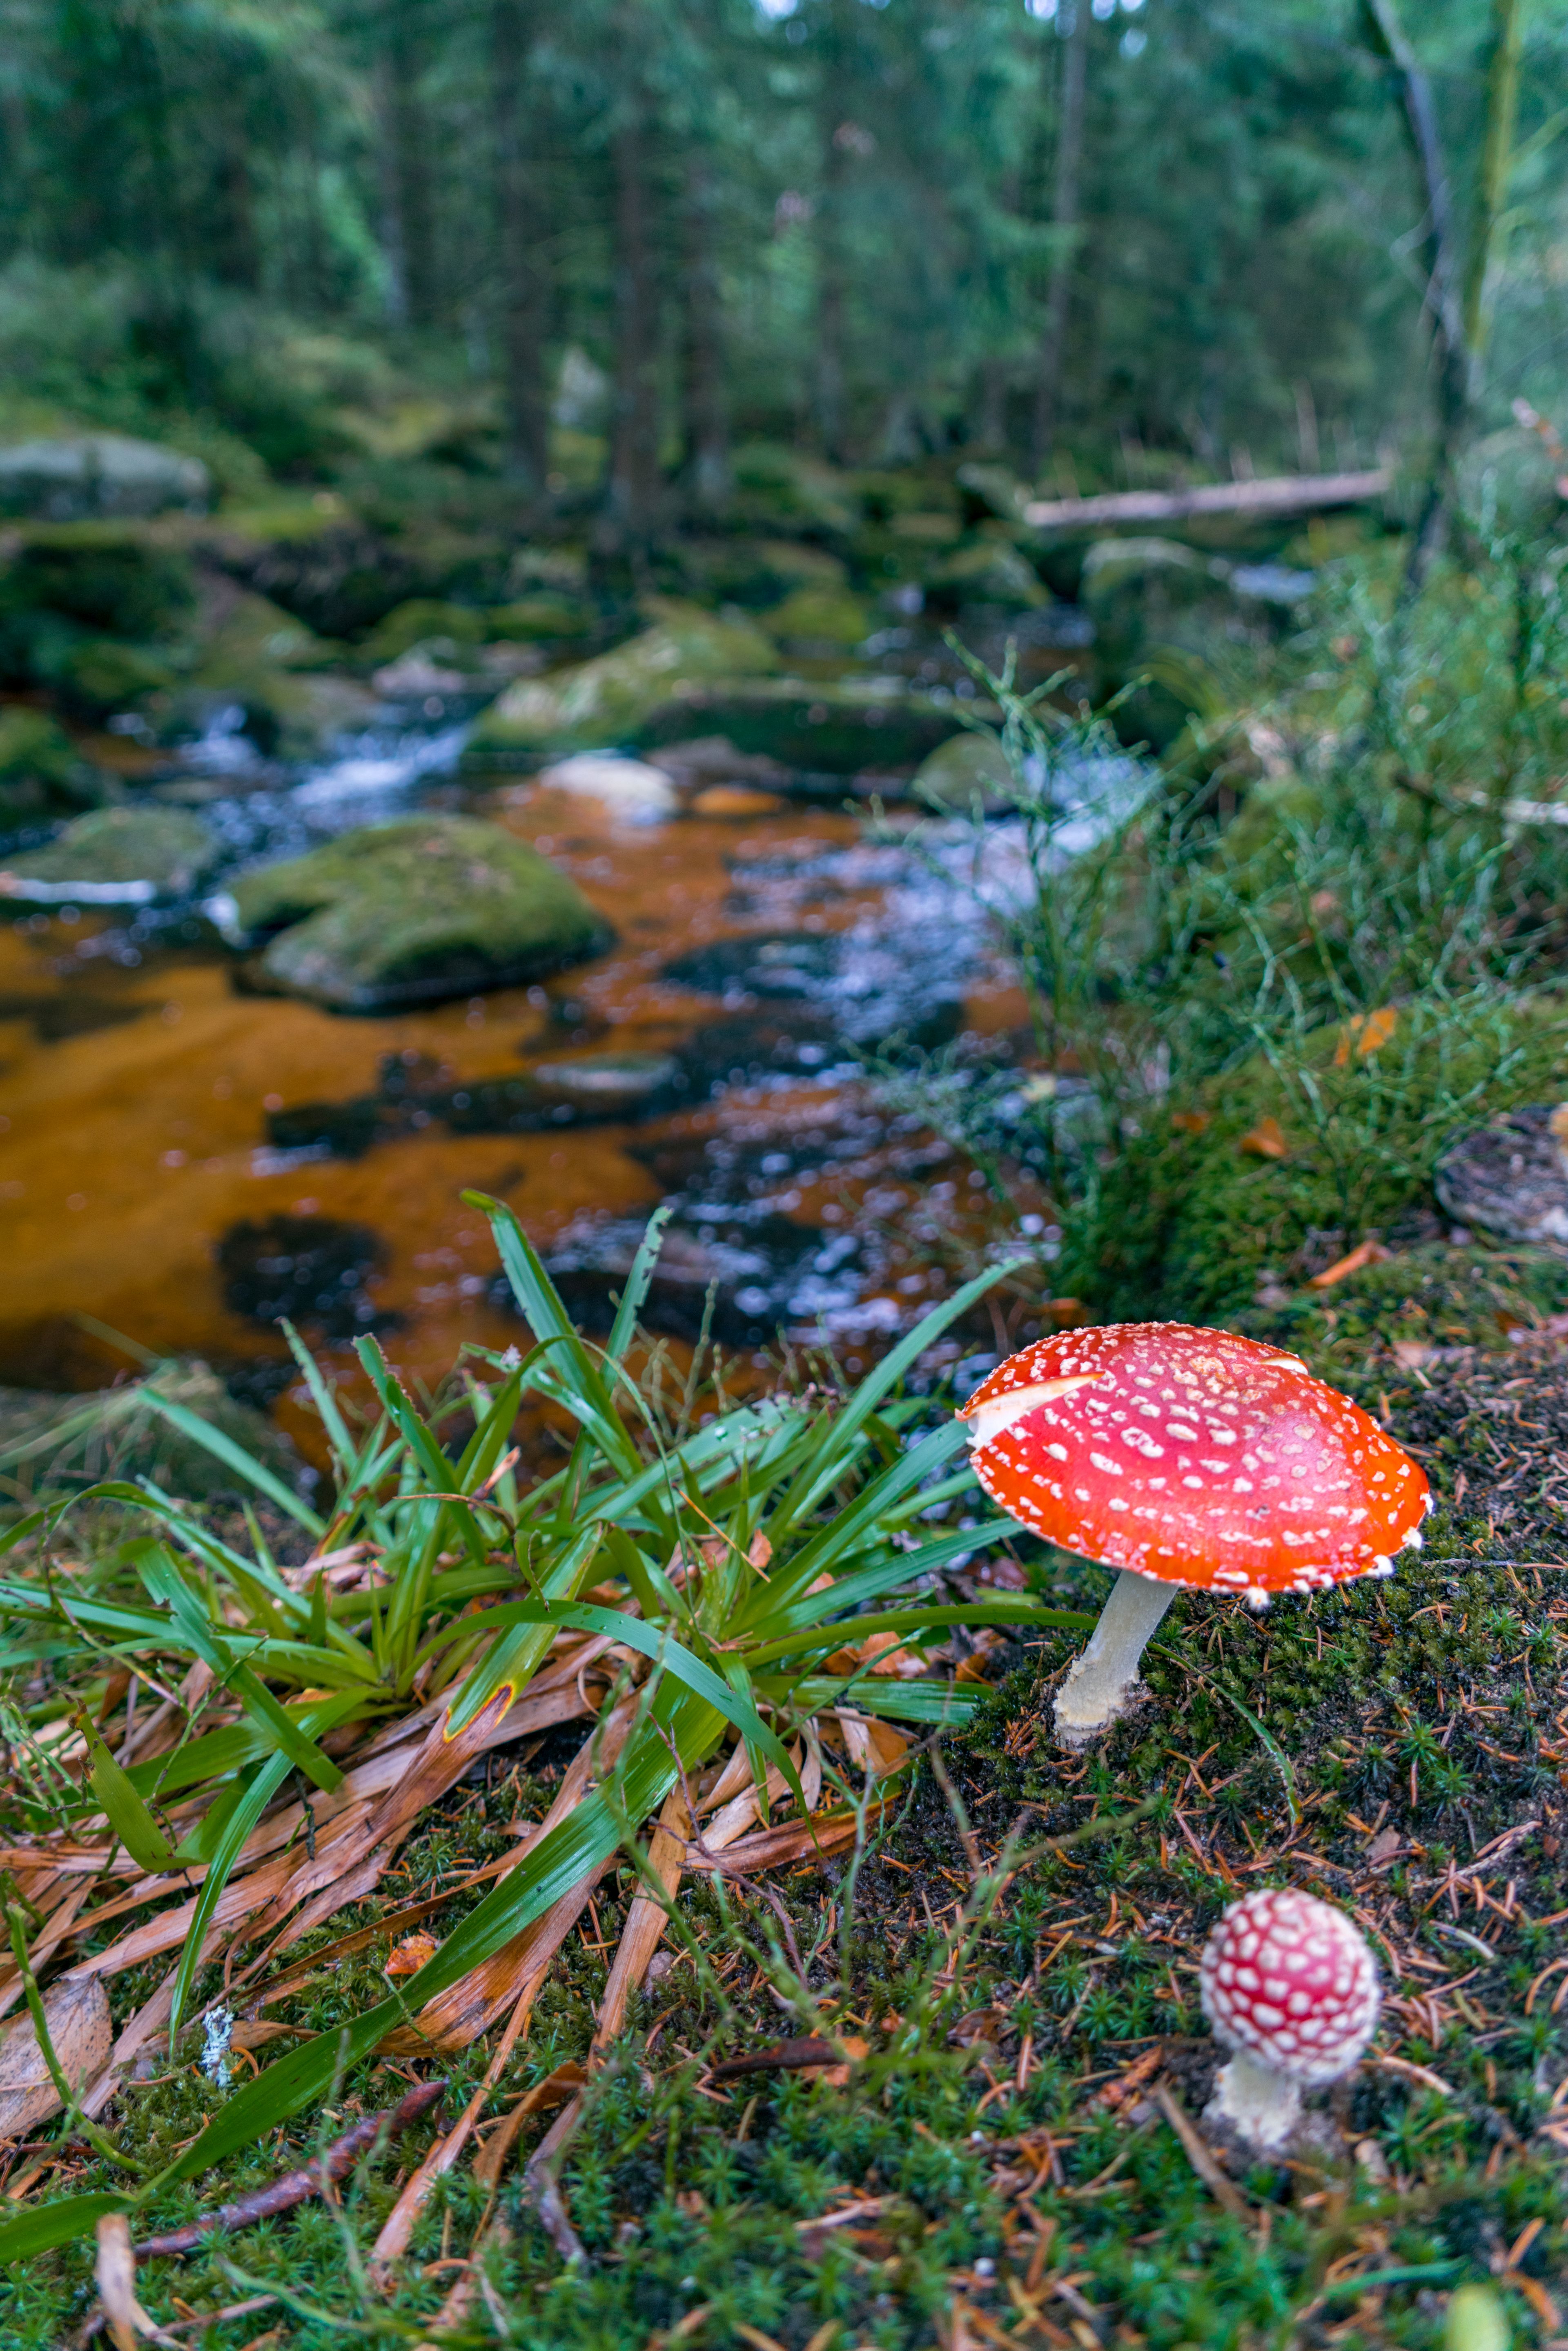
pixel 1292 1981
pixel 1195 1456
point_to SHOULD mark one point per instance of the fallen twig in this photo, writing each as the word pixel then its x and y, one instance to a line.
pixel 282 2195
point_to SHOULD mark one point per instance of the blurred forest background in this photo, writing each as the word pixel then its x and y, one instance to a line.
pixel 598 249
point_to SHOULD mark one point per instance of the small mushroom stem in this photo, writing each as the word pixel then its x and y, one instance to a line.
pixel 1262 2106
pixel 1097 1689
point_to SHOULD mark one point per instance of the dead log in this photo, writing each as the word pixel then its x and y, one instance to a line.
pixel 1281 494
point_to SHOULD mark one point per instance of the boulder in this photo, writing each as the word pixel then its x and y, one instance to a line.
pixel 115 857
pixel 73 1440
pixel 813 728
pixel 609 699
pixel 629 788
pixel 830 617
pixel 82 476
pixel 967 772
pixel 413 911
pixel 41 773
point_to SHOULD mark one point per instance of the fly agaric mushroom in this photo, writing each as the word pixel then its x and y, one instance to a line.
pixel 1290 1987
pixel 1191 1459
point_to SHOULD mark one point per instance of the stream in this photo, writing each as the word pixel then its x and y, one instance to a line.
pixel 181 1162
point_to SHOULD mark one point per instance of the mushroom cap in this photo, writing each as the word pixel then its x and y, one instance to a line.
pixel 1292 1981
pixel 1195 1456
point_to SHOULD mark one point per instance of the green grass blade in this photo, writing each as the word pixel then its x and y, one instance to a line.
pixel 851 1592
pixel 899 1701
pixel 127 1815
pixel 589 1834
pixel 242 1820
pixel 548 1319
pixel 658 1645
pixel 523 1648
pixel 852 1526
pixel 636 1290
pixel 50 2225
pixel 234 1457
pixel 905 1621
pixel 160 1572
pixel 325 1401
pixel 838 1451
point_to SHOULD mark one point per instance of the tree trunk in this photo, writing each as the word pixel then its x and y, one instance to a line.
pixel 1450 351
pixel 1491 181
pixel 523 293
pixel 706 418
pixel 405 175
pixel 1064 220
pixel 634 441
pixel 829 388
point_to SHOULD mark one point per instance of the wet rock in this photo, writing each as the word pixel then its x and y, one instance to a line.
pixel 315 1270
pixel 78 475
pixel 966 773
pixel 813 728
pixel 629 788
pixel 100 675
pixel 416 1092
pixel 414 911
pixel 987 571
pixel 72 1440
pixel 610 699
pixel 832 620
pixel 1510 1178
pixel 611 1085
pixel 277 671
pixel 776 483
pixel 417 622
pixel 548 615
pixel 714 759
pixel 115 857
pixel 42 774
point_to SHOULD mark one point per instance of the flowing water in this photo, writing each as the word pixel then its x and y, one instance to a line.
pixel 181 1161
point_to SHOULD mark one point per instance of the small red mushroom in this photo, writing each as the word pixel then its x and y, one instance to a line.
pixel 1290 1986
pixel 1186 1458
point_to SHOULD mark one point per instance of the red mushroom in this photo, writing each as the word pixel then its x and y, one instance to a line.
pixel 1186 1458
pixel 1290 1987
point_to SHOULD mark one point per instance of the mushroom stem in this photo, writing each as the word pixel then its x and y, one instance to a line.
pixel 1261 2105
pixel 1097 1689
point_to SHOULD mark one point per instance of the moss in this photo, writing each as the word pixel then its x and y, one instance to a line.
pixel 165 849
pixel 413 911
pixel 612 699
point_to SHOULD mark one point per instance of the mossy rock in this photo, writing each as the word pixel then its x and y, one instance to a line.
pixel 610 699
pixel 69 1441
pixel 415 622
pixel 838 729
pixel 967 772
pixel 42 774
pixel 826 616
pixel 988 571
pixel 539 619
pixel 276 668
pixel 775 484
pixel 412 913
pixel 110 578
pixel 99 674
pixel 1282 1159
pixel 115 856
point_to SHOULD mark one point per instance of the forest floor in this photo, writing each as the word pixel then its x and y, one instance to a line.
pixel 1010 2154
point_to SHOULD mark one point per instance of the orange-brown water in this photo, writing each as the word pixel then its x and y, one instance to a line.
pixel 135 1100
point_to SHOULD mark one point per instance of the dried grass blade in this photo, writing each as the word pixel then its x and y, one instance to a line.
pixel 646 1920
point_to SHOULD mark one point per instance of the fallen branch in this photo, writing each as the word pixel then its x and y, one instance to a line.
pixel 282 2195
pixel 1281 494
pixel 780 2057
